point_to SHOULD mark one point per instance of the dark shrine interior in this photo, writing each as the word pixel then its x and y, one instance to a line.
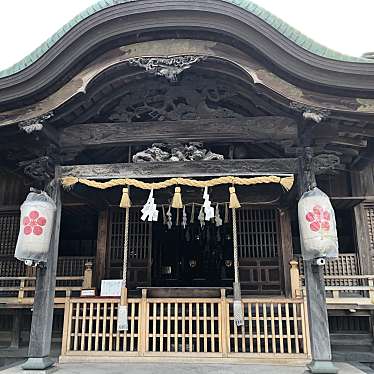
pixel 195 256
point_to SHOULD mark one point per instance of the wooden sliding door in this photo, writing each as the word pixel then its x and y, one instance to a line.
pixel 140 246
pixel 259 247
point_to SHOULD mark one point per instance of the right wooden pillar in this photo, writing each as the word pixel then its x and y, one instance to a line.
pixel 363 186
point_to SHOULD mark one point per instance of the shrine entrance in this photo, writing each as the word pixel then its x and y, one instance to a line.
pixel 192 254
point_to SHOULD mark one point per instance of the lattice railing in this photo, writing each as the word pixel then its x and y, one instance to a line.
pixel 340 271
pixel 182 326
pixel 21 290
pixel 276 327
pixel 345 264
pixel 66 266
pixel 91 325
pixel 73 266
pixel 339 288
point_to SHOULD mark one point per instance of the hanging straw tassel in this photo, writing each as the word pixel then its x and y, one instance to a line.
pixel 287 182
pixel 69 182
pixel 177 199
pixel 125 201
pixel 234 202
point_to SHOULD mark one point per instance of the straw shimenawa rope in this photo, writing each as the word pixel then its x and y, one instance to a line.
pixel 286 182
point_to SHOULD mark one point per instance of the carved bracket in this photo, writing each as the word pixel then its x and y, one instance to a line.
pixel 34 124
pixel 42 169
pixel 315 114
pixel 326 162
pixel 168 67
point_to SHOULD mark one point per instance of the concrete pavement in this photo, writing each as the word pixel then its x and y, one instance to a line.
pixel 179 368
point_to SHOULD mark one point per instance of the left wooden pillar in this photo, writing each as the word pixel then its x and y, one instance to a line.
pixel 101 264
pixel 42 317
pixel 287 251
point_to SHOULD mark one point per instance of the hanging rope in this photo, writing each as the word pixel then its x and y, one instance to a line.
pixel 286 182
pixel 238 307
pixel 125 248
pixel 235 245
pixel 122 324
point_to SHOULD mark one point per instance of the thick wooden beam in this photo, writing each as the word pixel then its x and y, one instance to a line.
pixel 259 129
pixel 183 169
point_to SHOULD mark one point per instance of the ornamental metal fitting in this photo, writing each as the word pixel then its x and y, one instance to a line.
pixel 168 67
pixel 310 113
pixel 34 124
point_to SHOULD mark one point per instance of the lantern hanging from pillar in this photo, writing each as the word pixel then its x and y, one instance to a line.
pixel 36 226
pixel 317 225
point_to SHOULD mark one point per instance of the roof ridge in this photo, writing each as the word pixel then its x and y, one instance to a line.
pixel 277 23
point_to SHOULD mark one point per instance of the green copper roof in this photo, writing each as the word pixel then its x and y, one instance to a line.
pixel 275 22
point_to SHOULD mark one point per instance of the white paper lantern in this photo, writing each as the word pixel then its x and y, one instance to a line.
pixel 36 226
pixel 317 225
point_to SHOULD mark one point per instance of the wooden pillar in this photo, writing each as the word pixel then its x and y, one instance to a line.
pixel 102 247
pixel 362 185
pixel 296 291
pixel 286 247
pixel 42 317
pixel 315 287
pixel 16 329
pixel 87 277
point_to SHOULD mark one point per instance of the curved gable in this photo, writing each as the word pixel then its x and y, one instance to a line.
pixel 282 27
pixel 256 33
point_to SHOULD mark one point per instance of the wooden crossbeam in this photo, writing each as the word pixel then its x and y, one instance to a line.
pixel 258 129
pixel 183 169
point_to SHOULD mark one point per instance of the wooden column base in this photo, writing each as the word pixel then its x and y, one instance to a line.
pixel 322 367
pixel 39 363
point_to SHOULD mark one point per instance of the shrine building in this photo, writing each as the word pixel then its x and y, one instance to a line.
pixel 176 138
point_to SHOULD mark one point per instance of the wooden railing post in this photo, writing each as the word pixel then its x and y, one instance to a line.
pixel 143 320
pixel 371 288
pixel 225 324
pixel 87 280
pixel 66 327
pixel 21 292
pixel 295 280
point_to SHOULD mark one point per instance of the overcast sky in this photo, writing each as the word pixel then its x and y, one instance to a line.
pixel 345 26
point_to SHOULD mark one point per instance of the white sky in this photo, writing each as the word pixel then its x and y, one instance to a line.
pixel 343 25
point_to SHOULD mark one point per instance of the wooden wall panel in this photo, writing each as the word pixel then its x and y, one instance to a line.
pixel 9 227
pixel 13 189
